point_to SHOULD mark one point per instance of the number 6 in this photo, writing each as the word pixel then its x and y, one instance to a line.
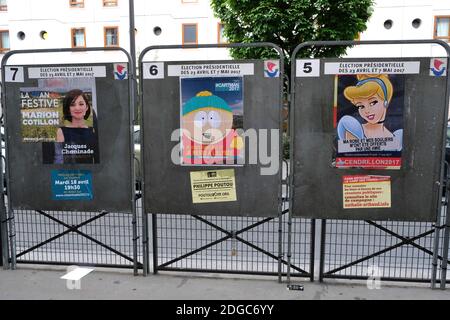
pixel 154 70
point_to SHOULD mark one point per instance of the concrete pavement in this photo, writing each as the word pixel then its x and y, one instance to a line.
pixel 44 283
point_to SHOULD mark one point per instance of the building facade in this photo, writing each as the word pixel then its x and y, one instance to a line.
pixel 31 24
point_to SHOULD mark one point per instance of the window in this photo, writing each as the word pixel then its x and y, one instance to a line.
pixel 44 35
pixel 110 3
pixel 157 31
pixel 416 23
pixel 388 24
pixel 21 35
pixel 76 3
pixel 3 5
pixel 190 33
pixel 220 35
pixel 4 40
pixel 78 38
pixel 111 36
pixel 442 27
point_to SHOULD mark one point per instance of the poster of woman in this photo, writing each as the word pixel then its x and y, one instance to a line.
pixel 369 118
pixel 61 114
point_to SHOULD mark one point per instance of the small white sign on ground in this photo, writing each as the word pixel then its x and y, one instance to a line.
pixel 77 274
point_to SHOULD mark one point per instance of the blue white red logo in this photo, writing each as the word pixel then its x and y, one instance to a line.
pixel 120 71
pixel 272 69
pixel 438 67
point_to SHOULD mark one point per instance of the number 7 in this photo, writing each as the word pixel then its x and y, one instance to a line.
pixel 15 73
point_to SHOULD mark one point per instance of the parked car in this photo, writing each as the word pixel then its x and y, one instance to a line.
pixel 137 156
pixel 447 153
pixel 447 146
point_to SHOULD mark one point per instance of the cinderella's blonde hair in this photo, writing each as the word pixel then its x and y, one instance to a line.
pixel 369 88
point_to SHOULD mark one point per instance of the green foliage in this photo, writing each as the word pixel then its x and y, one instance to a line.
pixel 287 23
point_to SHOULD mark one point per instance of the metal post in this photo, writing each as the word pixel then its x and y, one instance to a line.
pixel 133 99
pixel 133 52
pixel 4 251
pixel 280 173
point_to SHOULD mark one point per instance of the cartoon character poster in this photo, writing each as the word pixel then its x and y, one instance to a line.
pixel 211 121
pixel 368 119
pixel 61 113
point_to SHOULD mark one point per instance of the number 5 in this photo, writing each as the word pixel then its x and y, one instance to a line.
pixel 307 68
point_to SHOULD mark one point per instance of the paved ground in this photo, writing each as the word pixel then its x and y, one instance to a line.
pixel 35 282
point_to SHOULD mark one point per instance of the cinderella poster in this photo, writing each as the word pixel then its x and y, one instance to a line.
pixel 368 117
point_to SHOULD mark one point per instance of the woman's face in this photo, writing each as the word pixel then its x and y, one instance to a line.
pixel 78 108
pixel 371 109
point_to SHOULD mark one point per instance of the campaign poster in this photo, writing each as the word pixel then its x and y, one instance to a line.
pixel 71 185
pixel 368 117
pixel 211 120
pixel 62 115
pixel 213 186
pixel 365 192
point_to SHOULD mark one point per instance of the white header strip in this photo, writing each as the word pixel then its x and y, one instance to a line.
pixel 67 72
pixel 367 67
pixel 211 70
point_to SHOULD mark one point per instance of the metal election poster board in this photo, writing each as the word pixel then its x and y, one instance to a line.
pixel 368 139
pixel 68 137
pixel 196 121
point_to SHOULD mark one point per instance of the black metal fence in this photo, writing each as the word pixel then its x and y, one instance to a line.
pixel 390 250
pixel 83 238
pixel 236 245
pixel 397 251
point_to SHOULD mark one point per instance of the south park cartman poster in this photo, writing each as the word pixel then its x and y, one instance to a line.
pixel 211 121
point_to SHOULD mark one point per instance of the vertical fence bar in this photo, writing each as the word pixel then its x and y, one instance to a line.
pixel 289 252
pixel 154 242
pixel 312 249
pixel 323 235
pixel 446 241
pixel 4 251
pixel 280 243
pixel 445 253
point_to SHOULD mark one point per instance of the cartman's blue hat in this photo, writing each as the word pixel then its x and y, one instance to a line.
pixel 205 99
